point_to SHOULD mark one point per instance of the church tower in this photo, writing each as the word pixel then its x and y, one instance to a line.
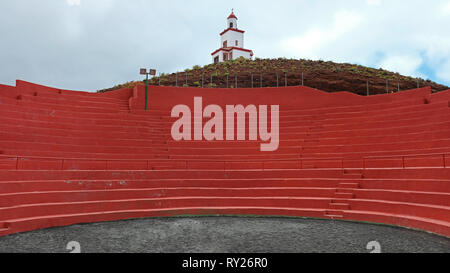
pixel 231 42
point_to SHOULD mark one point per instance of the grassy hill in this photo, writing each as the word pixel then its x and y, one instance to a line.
pixel 326 76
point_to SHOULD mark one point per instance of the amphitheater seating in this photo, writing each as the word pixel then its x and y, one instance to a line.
pixel 71 157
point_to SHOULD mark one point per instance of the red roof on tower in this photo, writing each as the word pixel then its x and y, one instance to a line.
pixel 233 29
pixel 232 16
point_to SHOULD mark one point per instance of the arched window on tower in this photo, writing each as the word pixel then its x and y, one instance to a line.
pixel 231 25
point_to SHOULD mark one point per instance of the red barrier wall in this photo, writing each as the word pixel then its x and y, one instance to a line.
pixel 298 97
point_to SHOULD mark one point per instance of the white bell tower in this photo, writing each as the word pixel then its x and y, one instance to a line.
pixel 231 42
pixel 232 20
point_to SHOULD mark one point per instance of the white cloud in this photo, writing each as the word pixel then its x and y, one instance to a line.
pixel 406 64
pixel 446 9
pixel 173 35
pixel 373 2
pixel 435 46
pixel 443 72
pixel 309 44
pixel 409 37
pixel 73 2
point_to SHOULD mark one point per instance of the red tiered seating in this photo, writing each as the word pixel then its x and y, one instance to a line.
pixel 71 157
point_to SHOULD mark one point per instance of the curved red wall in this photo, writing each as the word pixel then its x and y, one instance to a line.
pixel 72 157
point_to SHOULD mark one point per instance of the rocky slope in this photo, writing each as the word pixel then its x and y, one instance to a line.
pixel 326 76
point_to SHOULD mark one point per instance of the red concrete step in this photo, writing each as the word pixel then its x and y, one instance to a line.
pixel 12 187
pixel 52 128
pixel 354 148
pixel 30 88
pixel 412 112
pixel 15 199
pixel 440 227
pixel 74 155
pixel 44 209
pixel 379 122
pixel 409 184
pixel 374 121
pixel 376 106
pixel 439 134
pixel 375 100
pixel 27 224
pixel 339 206
pixel 406 196
pixel 64 115
pixel 53 93
pixel 364 119
pixel 290 156
pixel 56 118
pixel 352 176
pixel 149 135
pixel 385 154
pixel 289 123
pixel 215 145
pixel 75 109
pixel 308 166
pixel 349 185
pixel 340 190
pixel 230 151
pixel 71 102
pixel 353 171
pixel 4 229
pixel 443 96
pixel 333 214
pixel 286 127
pixel 349 110
pixel 388 130
pixel 415 174
pixel 77 148
pixel 30 163
pixel 401 208
pixel 11 136
pixel 438 159
pixel 22 175
pixel 88 128
pixel 354 110
pixel 344 195
pixel 102 161
pixel 16 109
pixel 42 98
pixel 225 144
pixel 78 117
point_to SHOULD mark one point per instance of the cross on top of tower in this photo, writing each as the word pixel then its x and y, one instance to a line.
pixel 232 15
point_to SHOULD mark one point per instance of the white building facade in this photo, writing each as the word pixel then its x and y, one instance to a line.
pixel 232 43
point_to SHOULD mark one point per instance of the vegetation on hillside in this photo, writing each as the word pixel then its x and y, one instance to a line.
pixel 326 76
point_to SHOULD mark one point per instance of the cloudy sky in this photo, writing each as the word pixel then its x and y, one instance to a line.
pixel 95 44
